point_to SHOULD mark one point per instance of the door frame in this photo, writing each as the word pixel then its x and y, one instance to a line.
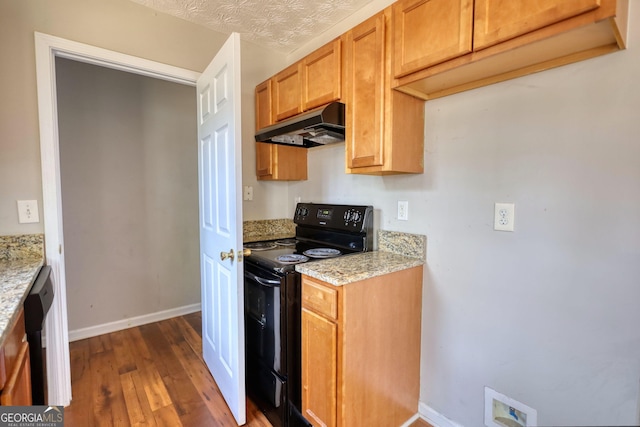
pixel 47 48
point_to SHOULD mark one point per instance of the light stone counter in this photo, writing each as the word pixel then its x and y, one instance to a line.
pixel 20 260
pixel 356 267
pixel 397 251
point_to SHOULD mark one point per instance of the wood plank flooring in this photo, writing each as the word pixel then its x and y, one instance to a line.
pixel 152 375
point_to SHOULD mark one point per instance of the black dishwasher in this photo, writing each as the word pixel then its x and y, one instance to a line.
pixel 36 307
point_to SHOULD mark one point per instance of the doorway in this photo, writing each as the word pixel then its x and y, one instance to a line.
pixel 48 48
pixel 128 168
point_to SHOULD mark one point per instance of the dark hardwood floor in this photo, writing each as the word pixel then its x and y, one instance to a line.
pixel 152 375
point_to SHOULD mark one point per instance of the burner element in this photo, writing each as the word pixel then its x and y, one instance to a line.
pixel 286 242
pixel 322 253
pixel 260 246
pixel 292 259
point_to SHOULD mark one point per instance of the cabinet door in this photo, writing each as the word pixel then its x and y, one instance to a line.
pixel 264 160
pixel 17 390
pixel 500 20
pixel 322 76
pixel 364 92
pixel 319 370
pixel 427 32
pixel 287 97
pixel 3 370
pixel 264 111
pixel 280 162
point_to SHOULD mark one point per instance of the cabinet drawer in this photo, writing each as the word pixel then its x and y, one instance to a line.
pixel 319 298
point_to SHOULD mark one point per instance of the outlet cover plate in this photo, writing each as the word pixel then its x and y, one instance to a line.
pixel 504 217
pixel 403 210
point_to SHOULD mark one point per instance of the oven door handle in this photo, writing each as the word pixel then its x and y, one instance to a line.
pixel 264 282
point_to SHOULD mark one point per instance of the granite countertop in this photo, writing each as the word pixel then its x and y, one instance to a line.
pixel 21 258
pixel 356 267
pixel 396 251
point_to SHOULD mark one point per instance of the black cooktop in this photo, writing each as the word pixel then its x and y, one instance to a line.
pixel 322 231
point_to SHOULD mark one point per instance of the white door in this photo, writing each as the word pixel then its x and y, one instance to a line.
pixel 220 178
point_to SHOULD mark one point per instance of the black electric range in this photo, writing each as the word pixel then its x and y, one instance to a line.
pixel 272 301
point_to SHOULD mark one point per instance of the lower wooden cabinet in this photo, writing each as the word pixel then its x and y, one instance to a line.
pixel 319 370
pixel 361 350
pixel 17 390
pixel 15 366
pixel 280 162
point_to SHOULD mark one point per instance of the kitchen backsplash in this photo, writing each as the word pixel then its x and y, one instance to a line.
pixel 407 244
pixel 21 246
pixel 266 229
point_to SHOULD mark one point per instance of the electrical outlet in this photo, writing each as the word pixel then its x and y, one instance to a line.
pixel 403 210
pixel 504 217
pixel 28 211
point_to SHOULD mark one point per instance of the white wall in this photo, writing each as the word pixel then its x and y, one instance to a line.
pixel 547 314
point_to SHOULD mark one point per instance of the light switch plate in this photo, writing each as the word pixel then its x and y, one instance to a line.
pixel 28 211
pixel 248 193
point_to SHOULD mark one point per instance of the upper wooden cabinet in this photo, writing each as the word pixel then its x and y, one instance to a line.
pixel 384 128
pixel 309 83
pixel 427 32
pixel 510 39
pixel 287 92
pixel 322 76
pixel 276 162
pixel 498 20
pixel 264 110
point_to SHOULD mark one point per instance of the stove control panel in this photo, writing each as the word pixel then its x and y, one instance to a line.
pixel 350 218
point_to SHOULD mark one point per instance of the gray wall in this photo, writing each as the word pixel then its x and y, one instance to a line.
pixel 122 26
pixel 547 314
pixel 128 162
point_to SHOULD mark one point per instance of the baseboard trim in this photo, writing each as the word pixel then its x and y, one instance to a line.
pixel 106 328
pixel 435 418
pixel 410 420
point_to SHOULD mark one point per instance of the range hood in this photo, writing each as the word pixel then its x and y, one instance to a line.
pixel 322 126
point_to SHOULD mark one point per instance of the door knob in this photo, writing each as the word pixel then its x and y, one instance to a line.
pixel 231 255
pixel 225 255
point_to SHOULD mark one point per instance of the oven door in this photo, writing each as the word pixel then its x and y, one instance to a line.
pixel 265 321
pixel 265 342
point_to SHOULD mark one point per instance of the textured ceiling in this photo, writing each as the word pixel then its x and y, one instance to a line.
pixel 282 25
